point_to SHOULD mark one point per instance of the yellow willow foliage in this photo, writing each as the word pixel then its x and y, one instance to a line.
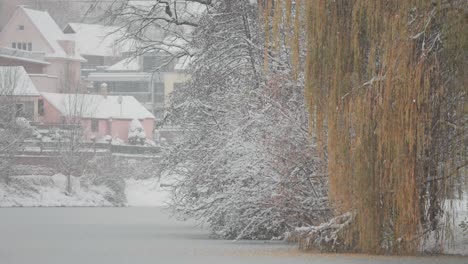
pixel 278 15
pixel 288 8
pixel 382 80
pixel 295 41
pixel 266 14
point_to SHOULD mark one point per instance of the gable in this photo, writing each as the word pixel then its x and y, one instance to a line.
pixel 69 30
pixel 30 33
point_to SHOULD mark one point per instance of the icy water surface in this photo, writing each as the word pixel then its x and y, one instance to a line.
pixel 142 235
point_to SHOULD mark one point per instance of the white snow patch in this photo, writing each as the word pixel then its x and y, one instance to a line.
pixel 460 239
pixel 146 193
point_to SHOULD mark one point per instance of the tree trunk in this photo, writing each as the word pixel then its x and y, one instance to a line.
pixel 69 187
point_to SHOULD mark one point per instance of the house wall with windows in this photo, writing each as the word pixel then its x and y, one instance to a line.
pixel 32 32
pixel 117 128
pixel 20 29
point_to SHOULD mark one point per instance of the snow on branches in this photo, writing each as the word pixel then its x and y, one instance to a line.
pixel 246 164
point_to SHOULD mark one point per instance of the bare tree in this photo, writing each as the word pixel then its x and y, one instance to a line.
pixel 13 131
pixel 161 27
pixel 72 154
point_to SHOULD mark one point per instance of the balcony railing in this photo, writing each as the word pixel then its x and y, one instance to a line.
pixel 24 54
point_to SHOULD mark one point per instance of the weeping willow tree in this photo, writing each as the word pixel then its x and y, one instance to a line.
pixel 385 88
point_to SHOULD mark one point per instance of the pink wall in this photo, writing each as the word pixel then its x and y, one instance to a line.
pixel 68 73
pixel 44 82
pixel 51 114
pixel 117 128
pixel 29 67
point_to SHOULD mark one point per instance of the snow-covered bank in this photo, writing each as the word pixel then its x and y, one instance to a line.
pixel 49 191
pixel 45 191
pixel 146 193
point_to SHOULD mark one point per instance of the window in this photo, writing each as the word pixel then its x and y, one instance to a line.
pixel 19 110
pixel 24 46
pixel 21 27
pixel 94 125
pixel 40 107
pixel 13 45
pixel 30 46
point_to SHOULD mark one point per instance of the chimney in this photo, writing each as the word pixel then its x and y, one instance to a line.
pixel 104 90
pixel 68 45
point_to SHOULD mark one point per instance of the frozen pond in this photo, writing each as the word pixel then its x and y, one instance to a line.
pixel 142 235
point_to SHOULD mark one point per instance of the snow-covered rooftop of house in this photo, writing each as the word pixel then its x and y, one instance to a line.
pixel 127 64
pixel 99 40
pixel 15 81
pixel 51 32
pixel 133 64
pixel 98 106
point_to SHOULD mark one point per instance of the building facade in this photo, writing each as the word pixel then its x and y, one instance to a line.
pixel 32 39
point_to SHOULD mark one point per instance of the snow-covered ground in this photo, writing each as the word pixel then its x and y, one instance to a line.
pixel 30 191
pixel 460 239
pixel 146 193
pixel 48 191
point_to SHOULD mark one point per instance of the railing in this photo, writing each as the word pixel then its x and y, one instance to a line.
pixel 22 53
pixel 34 147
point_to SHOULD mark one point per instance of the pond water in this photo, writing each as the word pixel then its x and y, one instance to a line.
pixel 143 235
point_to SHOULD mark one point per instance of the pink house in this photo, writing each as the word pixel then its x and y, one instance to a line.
pixel 100 115
pixel 32 39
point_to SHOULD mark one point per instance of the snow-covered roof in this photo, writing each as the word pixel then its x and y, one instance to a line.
pixel 119 76
pixel 99 40
pixel 97 106
pixel 127 64
pixel 15 81
pixel 51 32
pixel 133 64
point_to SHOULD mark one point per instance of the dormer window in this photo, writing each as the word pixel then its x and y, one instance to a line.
pixel 21 27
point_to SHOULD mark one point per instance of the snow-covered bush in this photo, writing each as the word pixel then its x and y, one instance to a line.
pixel 136 133
pixel 24 125
pixel 106 171
pixel 464 226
